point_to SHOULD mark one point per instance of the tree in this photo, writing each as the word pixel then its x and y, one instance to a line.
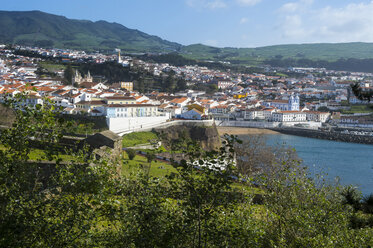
pixel 361 94
pixel 68 74
pixel 50 201
pixel 254 156
pixel 131 153
pixel 181 85
pixel 323 109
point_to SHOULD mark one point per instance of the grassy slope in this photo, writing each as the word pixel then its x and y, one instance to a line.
pixel 328 52
pixel 138 138
pixel 359 109
pixel 38 154
pixel 27 27
pixel 157 169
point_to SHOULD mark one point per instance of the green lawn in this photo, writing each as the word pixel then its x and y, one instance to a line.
pixel 138 138
pixel 38 154
pixel 364 108
pixel 157 169
pixel 51 66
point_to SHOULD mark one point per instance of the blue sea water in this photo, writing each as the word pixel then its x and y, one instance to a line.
pixel 351 163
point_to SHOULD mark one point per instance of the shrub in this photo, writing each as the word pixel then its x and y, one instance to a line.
pixel 131 154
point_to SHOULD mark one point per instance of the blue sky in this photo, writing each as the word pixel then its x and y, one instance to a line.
pixel 224 23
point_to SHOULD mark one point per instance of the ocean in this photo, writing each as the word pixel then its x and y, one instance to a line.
pixel 349 162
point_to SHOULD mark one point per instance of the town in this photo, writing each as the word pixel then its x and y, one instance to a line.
pixel 275 97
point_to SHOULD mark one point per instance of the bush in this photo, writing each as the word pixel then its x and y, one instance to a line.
pixel 131 154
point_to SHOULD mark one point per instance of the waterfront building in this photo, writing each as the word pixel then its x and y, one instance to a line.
pixel 317 116
pixel 289 116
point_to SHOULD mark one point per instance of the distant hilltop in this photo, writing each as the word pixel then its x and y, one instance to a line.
pixel 36 28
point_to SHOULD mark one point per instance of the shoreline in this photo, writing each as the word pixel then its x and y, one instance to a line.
pixel 244 130
pixel 316 134
pixel 324 135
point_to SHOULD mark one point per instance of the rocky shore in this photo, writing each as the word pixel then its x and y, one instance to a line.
pixel 244 130
pixel 327 135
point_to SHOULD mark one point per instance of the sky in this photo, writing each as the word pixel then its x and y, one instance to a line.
pixel 224 23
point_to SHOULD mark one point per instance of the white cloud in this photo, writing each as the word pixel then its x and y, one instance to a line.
pixel 244 20
pixel 353 22
pixel 206 4
pixel 248 2
pixel 296 6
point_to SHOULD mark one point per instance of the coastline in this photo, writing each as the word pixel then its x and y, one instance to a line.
pixel 316 134
pixel 244 130
pixel 327 135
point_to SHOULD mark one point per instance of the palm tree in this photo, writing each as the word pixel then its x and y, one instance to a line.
pixel 367 204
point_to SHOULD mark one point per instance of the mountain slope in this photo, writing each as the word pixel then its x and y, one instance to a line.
pixel 321 51
pixel 47 30
pixel 41 29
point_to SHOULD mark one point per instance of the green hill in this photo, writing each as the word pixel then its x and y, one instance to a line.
pixel 322 51
pixel 46 30
pixel 41 29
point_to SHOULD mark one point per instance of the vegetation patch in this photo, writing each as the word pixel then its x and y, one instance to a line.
pixel 138 138
pixel 363 108
pixel 156 168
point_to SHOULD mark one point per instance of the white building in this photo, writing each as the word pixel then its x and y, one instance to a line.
pixel 289 116
pixel 317 116
pixel 291 105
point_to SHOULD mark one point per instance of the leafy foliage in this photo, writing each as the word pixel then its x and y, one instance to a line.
pixel 202 202
pixel 46 204
pixel 131 154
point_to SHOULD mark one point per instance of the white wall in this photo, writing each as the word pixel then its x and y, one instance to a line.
pixel 260 124
pixel 123 125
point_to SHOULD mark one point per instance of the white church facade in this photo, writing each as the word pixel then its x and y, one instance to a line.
pixel 285 105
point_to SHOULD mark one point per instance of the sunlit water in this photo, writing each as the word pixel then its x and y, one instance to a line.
pixel 351 163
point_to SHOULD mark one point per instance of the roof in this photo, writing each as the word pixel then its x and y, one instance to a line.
pixel 92 103
pixel 129 105
pixel 119 98
pixel 197 111
pixel 101 139
pixel 179 100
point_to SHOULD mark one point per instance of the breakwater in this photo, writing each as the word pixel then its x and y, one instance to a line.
pixel 327 135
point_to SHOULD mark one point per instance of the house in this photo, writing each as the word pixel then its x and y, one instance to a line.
pixel 317 116
pixel 192 114
pixel 89 106
pixel 180 102
pixel 127 85
pixel 254 114
pixel 130 110
pixel 120 100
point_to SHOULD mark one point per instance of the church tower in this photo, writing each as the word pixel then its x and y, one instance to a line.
pixel 77 78
pixel 119 57
pixel 88 78
pixel 294 102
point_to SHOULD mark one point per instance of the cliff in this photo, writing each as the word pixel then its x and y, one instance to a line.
pixel 207 137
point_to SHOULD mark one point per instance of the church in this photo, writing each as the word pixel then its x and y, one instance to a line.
pixel 285 105
pixel 79 79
